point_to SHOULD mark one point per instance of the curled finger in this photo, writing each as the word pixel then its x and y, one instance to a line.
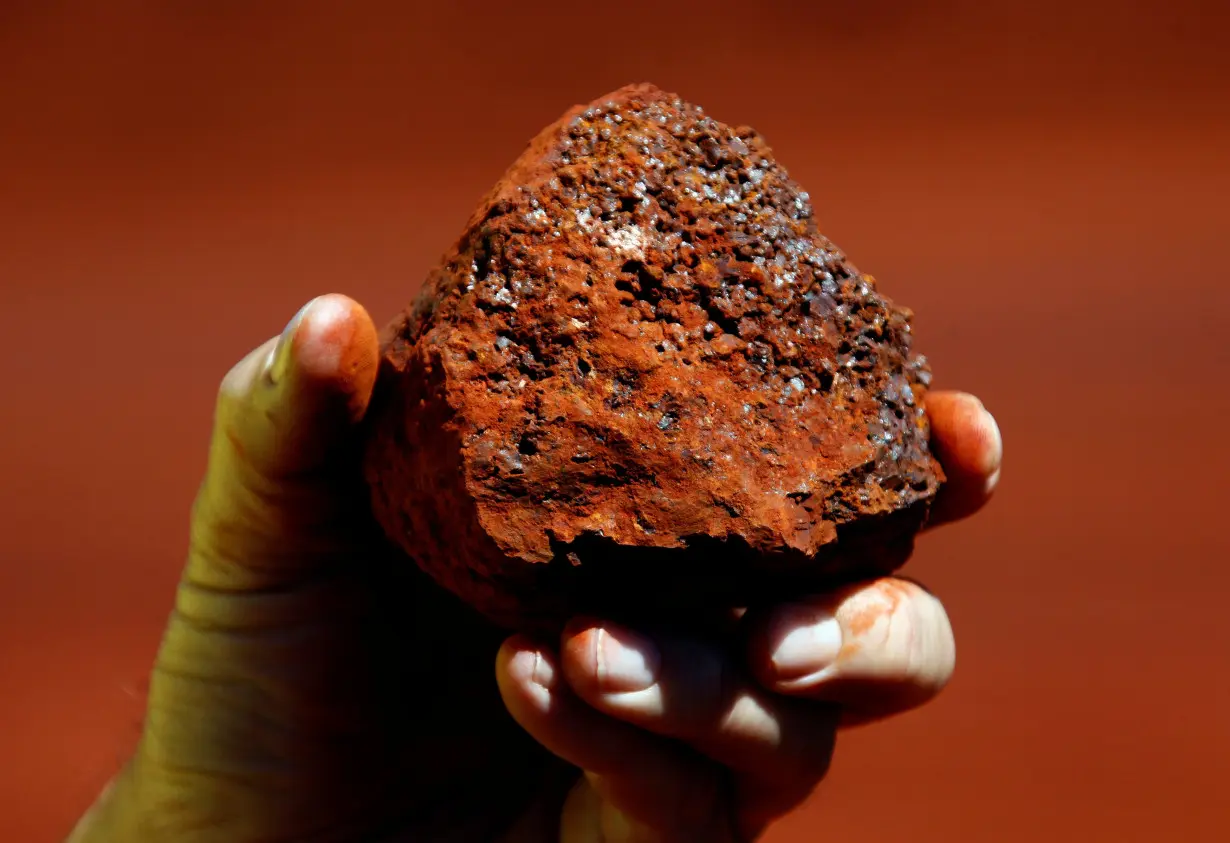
pixel 696 692
pixel 655 784
pixel 875 649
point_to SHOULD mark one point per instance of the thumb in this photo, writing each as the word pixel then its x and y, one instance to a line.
pixel 280 492
pixel 260 687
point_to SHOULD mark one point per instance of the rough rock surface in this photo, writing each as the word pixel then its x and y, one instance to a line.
pixel 643 381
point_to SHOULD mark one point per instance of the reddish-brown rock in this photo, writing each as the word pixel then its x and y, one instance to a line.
pixel 643 381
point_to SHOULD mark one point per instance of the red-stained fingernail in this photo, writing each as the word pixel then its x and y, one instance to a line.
pixel 987 443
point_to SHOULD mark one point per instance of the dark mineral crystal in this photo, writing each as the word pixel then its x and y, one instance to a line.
pixel 642 381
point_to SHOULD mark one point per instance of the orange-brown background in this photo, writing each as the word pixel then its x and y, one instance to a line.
pixel 1045 183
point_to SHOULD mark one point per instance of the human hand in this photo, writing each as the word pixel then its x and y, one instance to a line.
pixel 313 686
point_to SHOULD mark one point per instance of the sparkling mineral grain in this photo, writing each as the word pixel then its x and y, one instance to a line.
pixel 643 381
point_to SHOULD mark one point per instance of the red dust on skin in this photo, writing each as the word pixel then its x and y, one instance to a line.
pixel 335 340
pixel 859 620
pixel 858 611
pixel 888 621
pixel 643 364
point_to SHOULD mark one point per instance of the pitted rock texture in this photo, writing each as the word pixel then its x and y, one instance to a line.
pixel 643 381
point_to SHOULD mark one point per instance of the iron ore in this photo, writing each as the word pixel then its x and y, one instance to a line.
pixel 643 381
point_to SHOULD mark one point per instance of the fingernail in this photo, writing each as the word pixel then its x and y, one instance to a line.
pixel 536 674
pixel 995 443
pixel 992 445
pixel 542 674
pixel 626 661
pixel 808 641
pixel 279 357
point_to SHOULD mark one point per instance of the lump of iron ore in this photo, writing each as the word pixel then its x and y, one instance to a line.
pixel 643 381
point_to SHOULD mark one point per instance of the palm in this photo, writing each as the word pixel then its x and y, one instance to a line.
pixel 375 702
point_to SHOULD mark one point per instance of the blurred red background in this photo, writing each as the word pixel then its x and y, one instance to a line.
pixel 1045 183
